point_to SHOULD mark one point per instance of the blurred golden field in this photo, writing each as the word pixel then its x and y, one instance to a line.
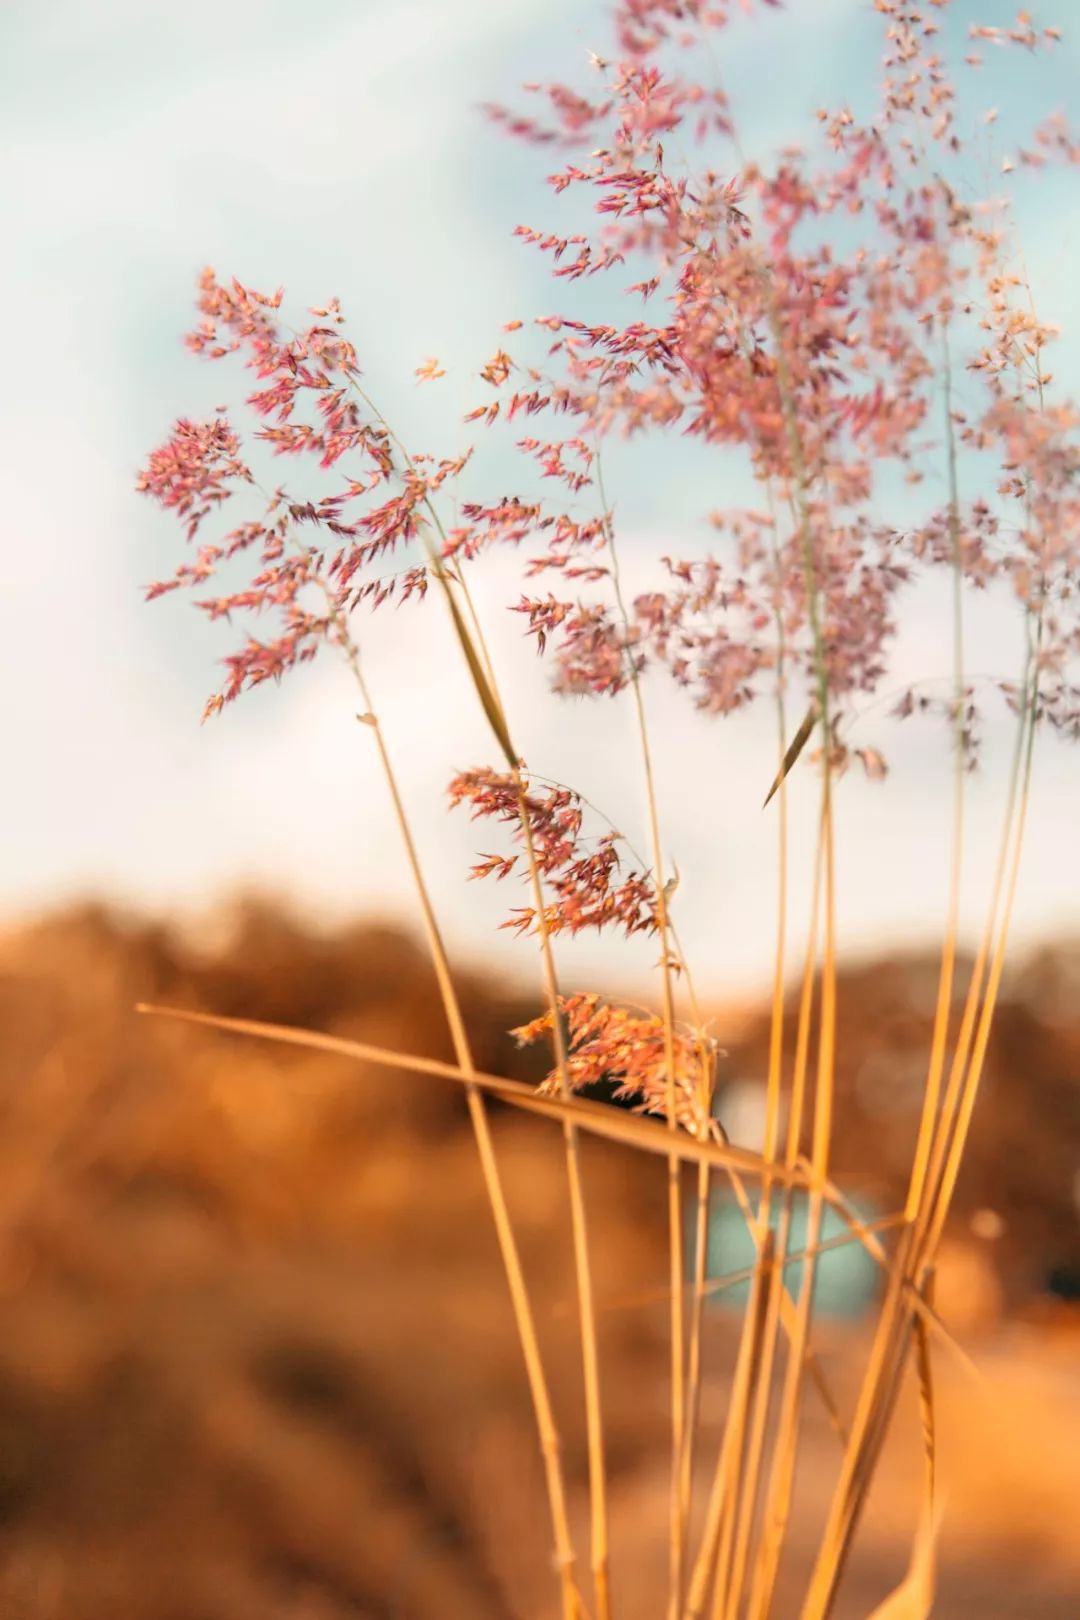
pixel 257 1357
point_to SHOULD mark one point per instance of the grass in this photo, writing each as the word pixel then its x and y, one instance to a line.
pixel 769 340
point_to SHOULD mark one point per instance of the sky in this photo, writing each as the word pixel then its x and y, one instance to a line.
pixel 342 150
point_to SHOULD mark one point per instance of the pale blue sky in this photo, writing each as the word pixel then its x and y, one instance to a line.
pixel 340 149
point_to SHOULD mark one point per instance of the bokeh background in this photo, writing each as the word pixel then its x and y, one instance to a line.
pixel 256 1354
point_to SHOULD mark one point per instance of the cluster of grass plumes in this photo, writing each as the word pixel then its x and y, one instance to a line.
pixel 815 315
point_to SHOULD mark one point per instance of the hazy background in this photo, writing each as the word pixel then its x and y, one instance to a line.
pixel 341 150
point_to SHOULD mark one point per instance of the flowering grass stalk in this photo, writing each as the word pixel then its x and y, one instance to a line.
pixel 810 317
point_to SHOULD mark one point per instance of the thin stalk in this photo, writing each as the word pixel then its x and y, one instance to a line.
pixel 924 1367
pixel 776 1022
pixel 582 1265
pixel 978 1057
pixel 932 1213
pixel 702 1208
pixel 770 1143
pixel 955 1086
pixel 932 1091
pixel 723 1575
pixel 721 1504
pixel 751 1472
pixel 875 1400
pixel 704 1568
pixel 679 1458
